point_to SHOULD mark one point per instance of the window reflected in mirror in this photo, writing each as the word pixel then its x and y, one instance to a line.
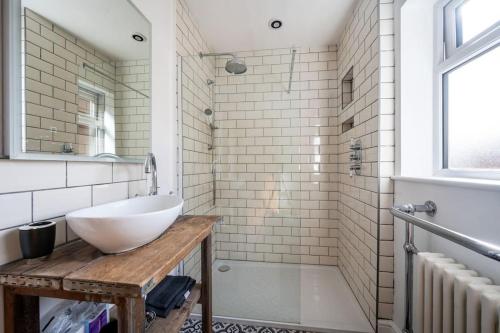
pixel 86 82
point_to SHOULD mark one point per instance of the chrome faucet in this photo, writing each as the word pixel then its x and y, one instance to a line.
pixel 150 167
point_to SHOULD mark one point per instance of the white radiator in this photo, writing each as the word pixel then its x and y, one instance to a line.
pixel 452 299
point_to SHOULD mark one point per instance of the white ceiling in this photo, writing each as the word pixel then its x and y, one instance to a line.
pixel 105 24
pixel 240 25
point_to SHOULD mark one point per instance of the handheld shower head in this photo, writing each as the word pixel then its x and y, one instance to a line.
pixel 209 113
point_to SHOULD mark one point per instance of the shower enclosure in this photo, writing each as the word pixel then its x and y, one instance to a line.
pixel 261 148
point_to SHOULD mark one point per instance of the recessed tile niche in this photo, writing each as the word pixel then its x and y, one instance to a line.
pixel 347 88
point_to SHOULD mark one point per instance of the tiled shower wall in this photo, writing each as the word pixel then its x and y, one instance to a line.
pixel 53 60
pixel 282 162
pixel 386 159
pixel 133 110
pixel 361 197
pixel 194 97
pixel 276 158
pixel 358 48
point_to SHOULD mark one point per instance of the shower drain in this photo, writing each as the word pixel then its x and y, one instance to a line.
pixel 224 268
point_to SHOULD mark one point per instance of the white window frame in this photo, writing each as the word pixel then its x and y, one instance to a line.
pixel 107 111
pixel 447 58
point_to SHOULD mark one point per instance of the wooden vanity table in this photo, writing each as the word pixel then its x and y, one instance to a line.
pixel 78 271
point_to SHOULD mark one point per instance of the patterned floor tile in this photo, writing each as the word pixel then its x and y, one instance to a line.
pixel 194 326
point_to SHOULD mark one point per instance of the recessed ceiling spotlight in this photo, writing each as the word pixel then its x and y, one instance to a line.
pixel 138 37
pixel 275 24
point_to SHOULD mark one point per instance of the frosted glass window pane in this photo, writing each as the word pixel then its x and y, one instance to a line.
pixel 475 16
pixel 473 113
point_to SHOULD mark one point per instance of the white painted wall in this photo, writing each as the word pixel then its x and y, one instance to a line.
pixel 468 209
pixel 471 207
pixel 162 15
pixel 416 82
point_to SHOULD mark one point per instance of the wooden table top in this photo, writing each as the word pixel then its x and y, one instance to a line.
pixel 80 267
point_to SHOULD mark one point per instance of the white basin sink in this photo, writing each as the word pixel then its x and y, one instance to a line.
pixel 127 224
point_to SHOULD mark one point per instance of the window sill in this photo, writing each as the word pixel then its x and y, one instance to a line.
pixel 472 183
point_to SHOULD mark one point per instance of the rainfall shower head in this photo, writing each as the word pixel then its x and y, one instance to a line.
pixel 208 112
pixel 233 66
pixel 236 66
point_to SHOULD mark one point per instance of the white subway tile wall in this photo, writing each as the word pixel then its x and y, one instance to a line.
pixel 20 176
pixel 9 245
pixel 276 157
pixel 364 200
pixel 123 172
pixel 22 204
pixel 105 193
pixel 386 140
pixel 54 66
pixel 17 206
pixel 132 109
pixel 194 128
pixel 87 173
pixel 53 60
pixel 358 202
pixel 50 203
pixel 137 188
pixel 60 231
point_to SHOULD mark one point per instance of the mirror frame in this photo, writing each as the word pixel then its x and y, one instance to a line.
pixel 11 145
pixel 3 77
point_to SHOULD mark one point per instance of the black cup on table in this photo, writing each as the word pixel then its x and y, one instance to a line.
pixel 37 239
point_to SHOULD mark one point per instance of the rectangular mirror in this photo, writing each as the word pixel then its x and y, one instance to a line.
pixel 85 79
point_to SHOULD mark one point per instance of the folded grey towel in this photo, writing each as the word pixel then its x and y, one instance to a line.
pixel 168 294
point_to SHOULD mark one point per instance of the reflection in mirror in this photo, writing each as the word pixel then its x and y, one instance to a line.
pixel 86 78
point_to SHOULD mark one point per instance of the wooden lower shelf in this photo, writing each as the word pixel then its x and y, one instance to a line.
pixel 176 318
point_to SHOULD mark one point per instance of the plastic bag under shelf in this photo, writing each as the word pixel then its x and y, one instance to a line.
pixel 76 317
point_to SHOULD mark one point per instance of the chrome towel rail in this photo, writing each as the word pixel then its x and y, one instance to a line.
pixel 405 212
pixel 486 249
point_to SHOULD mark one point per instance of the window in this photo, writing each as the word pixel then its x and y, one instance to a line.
pixel 473 113
pixel 90 122
pixel 469 20
pixel 475 16
pixel 468 83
